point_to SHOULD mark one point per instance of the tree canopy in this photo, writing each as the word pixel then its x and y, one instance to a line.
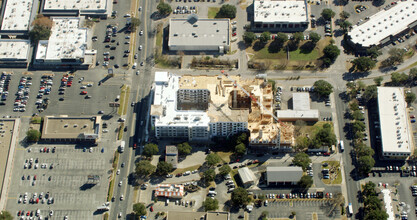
pixel 164 8
pixel 315 37
pixel 374 52
pixel 39 33
pixel 144 168
pixel 209 175
pixel 249 38
pixel 365 164
pixel 378 80
pixel 139 209
pixel 364 64
pixel 298 36
pixel 212 159
pixel 398 78
pixel 413 74
pixel 5 215
pixel 328 14
pixel 184 148
pixel 345 25
pixel 135 23
pixel 150 149
pixel 227 11
pixel 224 170
pixel 370 93
pixel 302 160
pixel 240 197
pixel 305 182
pixel 163 168
pixel 410 97
pixel 265 37
pixel 331 51
pixel 240 149
pixel 211 204
pixel 344 15
pixel 33 135
pixel 323 88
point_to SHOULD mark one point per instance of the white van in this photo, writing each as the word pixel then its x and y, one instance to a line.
pixel 212 193
pixel 117 98
pixel 122 147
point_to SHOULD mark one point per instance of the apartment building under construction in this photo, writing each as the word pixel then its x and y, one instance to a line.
pixel 199 108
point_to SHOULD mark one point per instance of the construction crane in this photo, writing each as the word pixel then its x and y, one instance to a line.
pixel 236 85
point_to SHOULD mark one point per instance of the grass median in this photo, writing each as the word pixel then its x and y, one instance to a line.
pixel 121 131
pixel 124 96
pixel 111 184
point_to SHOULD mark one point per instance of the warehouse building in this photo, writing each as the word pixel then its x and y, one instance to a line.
pixel 180 215
pixel 17 15
pixel 383 27
pixel 301 109
pixel 283 176
pixel 90 8
pixel 396 137
pixel 279 15
pixel 67 47
pixel 199 35
pixel 247 177
pixel 71 129
pixel 14 53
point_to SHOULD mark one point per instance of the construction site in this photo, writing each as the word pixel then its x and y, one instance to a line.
pixel 229 105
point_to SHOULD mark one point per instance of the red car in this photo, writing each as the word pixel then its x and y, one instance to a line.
pixel 83 92
pixel 135 146
pixel 412 116
pixel 234 34
pixel 27 214
pixel 34 177
pixel 326 154
pixel 151 209
pixel 19 213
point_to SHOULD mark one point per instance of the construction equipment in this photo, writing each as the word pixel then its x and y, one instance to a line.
pixel 236 85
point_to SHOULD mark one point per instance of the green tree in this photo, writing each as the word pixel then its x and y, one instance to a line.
pixel 331 51
pixel 163 168
pixel 139 209
pixel 353 106
pixel 378 80
pixel 39 33
pixel 302 160
pixel 370 93
pixel 369 189
pixel 363 64
pixel 358 126
pixel 240 149
pixel 150 149
pixel 302 143
pixel 396 57
pixel 135 23
pixel 410 98
pixel 413 74
pixel 357 115
pixel 328 14
pixel 281 37
pixel 323 88
pixel 376 214
pixel 265 37
pixel 164 8
pixel 209 175
pixel 240 197
pixel 184 148
pixel 249 38
pixel 365 164
pixel 305 182
pixel 364 150
pixel 361 85
pixel 374 52
pixel 212 159
pixel 227 11
pixel 298 36
pixel 144 168
pixel 398 78
pixel 5 215
pixel 344 15
pixel 325 136
pixel 314 37
pixel 211 204
pixel 264 215
pixel 224 170
pixel 345 25
pixel 242 138
pixel 33 135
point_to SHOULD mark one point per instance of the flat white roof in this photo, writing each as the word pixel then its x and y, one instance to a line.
pixel 271 11
pixel 196 32
pixel 82 5
pixel 384 24
pixel 294 114
pixel 161 77
pixel 246 175
pixel 14 49
pixel 17 15
pixel 301 101
pixel 166 97
pixel 395 133
pixel 67 40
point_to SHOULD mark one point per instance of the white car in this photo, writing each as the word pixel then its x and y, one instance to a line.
pixel 120 183
pixel 140 47
pixel 83 87
pixel 141 33
pixel 137 72
pixel 118 172
pixel 51 213
pixel 140 8
pixel 127 16
pixel 121 197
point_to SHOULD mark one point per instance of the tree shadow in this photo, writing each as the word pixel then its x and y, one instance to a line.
pixel 275 46
pixel 292 45
pixel 87 186
pixel 258 45
pixel 307 47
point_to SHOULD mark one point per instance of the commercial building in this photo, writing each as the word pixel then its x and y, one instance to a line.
pixel 71 129
pixel 67 47
pixel 396 136
pixel 199 108
pixel 14 53
pixel 90 8
pixel 171 155
pixel 17 15
pixel 175 191
pixel 201 35
pixel 301 109
pixel 280 15
pixel 283 176
pixel 383 26
pixel 177 215
pixel 247 177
